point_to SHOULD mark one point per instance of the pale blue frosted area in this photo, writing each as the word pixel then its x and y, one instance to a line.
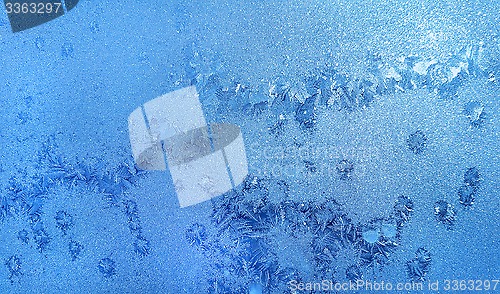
pixel 371 131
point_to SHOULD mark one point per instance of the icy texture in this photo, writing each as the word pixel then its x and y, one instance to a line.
pixel 329 95
pixel 14 266
pixel 470 188
pixel 323 229
pixel 445 213
pixel 417 142
pixel 418 267
pixel 107 267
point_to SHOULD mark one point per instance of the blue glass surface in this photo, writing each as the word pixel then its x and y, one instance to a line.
pixel 371 131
